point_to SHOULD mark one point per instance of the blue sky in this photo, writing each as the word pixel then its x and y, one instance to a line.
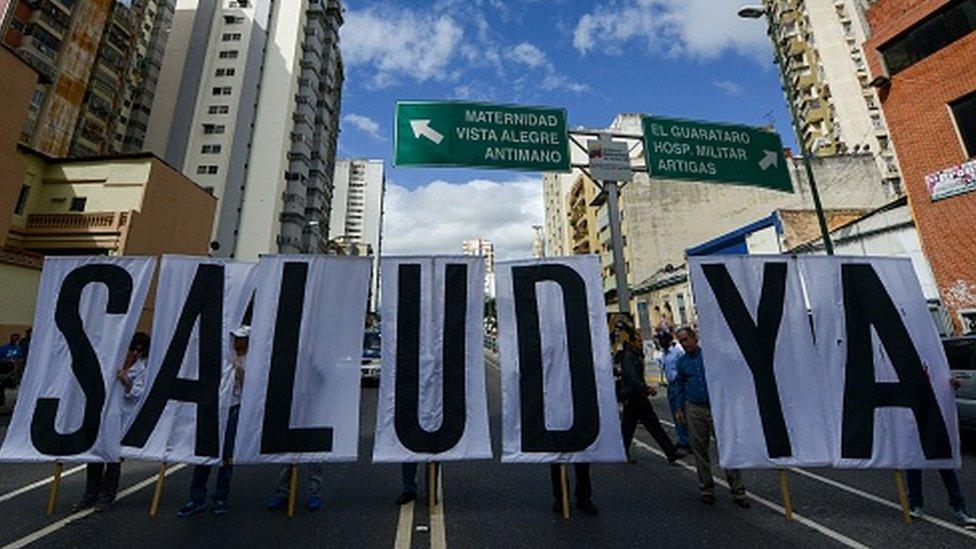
pixel 683 58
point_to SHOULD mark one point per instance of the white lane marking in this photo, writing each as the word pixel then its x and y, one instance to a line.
pixel 38 535
pixel 39 484
pixel 833 534
pixel 404 527
pixel 438 534
pixel 871 497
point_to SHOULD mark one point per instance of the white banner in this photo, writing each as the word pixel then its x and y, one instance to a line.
pixel 863 383
pixel 558 402
pixel 760 362
pixel 182 414
pixel 886 376
pixel 432 403
pixel 301 388
pixel 69 406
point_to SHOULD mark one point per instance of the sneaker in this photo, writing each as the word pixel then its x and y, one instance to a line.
pixel 916 512
pixel 220 508
pixel 405 498
pixel 587 506
pixel 190 509
pixel 315 503
pixel 276 502
pixel 964 520
pixel 85 503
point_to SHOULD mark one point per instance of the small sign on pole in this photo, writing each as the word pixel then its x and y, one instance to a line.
pixel 609 160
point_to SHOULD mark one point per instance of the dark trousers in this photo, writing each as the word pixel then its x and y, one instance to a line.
pixel 102 481
pixel 584 490
pixel 949 479
pixel 640 410
pixel 201 473
pixel 409 474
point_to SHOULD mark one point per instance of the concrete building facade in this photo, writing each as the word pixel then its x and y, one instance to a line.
pixel 483 248
pixel 249 109
pixel 839 111
pixel 924 51
pixel 356 217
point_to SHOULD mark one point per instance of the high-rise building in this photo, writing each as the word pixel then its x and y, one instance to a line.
pixel 923 52
pixel 248 107
pixel 99 63
pixel 357 210
pixel 839 111
pixel 555 186
pixel 481 247
pixel 538 241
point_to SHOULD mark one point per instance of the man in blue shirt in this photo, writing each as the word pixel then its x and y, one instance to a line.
pixel 670 353
pixel 691 396
pixel 11 359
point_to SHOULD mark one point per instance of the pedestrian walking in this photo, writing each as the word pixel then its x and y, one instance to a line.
pixel 584 488
pixel 671 351
pixel 314 500
pixel 234 373
pixel 951 482
pixel 634 391
pixel 11 361
pixel 694 410
pixel 102 479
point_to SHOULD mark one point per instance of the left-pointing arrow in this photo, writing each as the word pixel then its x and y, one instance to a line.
pixel 421 128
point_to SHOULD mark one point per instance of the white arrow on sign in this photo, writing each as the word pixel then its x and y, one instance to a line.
pixel 421 128
pixel 771 159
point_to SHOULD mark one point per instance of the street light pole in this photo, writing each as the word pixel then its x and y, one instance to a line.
pixel 755 12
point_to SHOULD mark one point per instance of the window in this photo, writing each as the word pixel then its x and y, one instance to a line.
pixel 964 110
pixel 226 72
pixel 228 54
pixel 22 200
pixel 214 129
pixel 210 149
pixel 222 90
pixel 218 109
pixel 233 19
pixel 231 37
pixel 78 204
pixel 206 170
pixel 930 35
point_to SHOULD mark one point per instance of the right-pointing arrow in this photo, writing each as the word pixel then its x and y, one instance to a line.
pixel 771 159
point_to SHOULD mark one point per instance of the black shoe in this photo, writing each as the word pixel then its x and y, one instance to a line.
pixel 85 503
pixel 742 502
pixel 587 506
pixel 405 498
pixel 707 499
pixel 104 504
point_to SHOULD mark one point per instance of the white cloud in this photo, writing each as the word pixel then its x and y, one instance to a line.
pixel 437 217
pixel 364 124
pixel 728 87
pixel 702 29
pixel 398 43
pixel 528 55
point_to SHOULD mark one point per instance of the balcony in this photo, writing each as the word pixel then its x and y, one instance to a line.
pixel 796 47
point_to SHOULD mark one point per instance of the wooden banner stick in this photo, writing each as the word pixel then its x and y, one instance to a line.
pixel 52 499
pixel 902 496
pixel 784 486
pixel 564 485
pixel 159 490
pixel 431 486
pixel 293 492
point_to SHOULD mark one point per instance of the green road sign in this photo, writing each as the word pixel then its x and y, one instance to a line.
pixel 704 151
pixel 481 135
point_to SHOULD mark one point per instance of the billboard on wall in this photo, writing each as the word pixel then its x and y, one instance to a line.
pixel 954 181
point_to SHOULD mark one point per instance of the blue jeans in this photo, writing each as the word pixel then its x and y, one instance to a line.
pixel 949 479
pixel 680 430
pixel 201 473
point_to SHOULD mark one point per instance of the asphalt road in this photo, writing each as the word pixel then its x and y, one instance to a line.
pixel 488 504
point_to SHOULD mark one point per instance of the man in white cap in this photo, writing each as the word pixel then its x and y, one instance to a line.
pixel 201 473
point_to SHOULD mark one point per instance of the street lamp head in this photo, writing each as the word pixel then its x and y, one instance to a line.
pixel 752 12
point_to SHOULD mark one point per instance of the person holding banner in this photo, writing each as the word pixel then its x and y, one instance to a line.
pixel 314 501
pixel 695 412
pixel 102 479
pixel 409 493
pixel 584 488
pixel 634 392
pixel 201 473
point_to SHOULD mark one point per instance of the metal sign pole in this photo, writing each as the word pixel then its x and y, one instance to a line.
pixel 616 236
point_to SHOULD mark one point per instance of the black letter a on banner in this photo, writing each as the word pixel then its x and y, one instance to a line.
pixel 84 361
pixel 757 342
pixel 866 304
pixel 205 303
pixel 276 436
pixel 406 417
pixel 586 414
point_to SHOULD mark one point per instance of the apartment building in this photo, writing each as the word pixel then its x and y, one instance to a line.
pixel 356 219
pixel 839 112
pixel 481 247
pixel 248 107
pixel 99 63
